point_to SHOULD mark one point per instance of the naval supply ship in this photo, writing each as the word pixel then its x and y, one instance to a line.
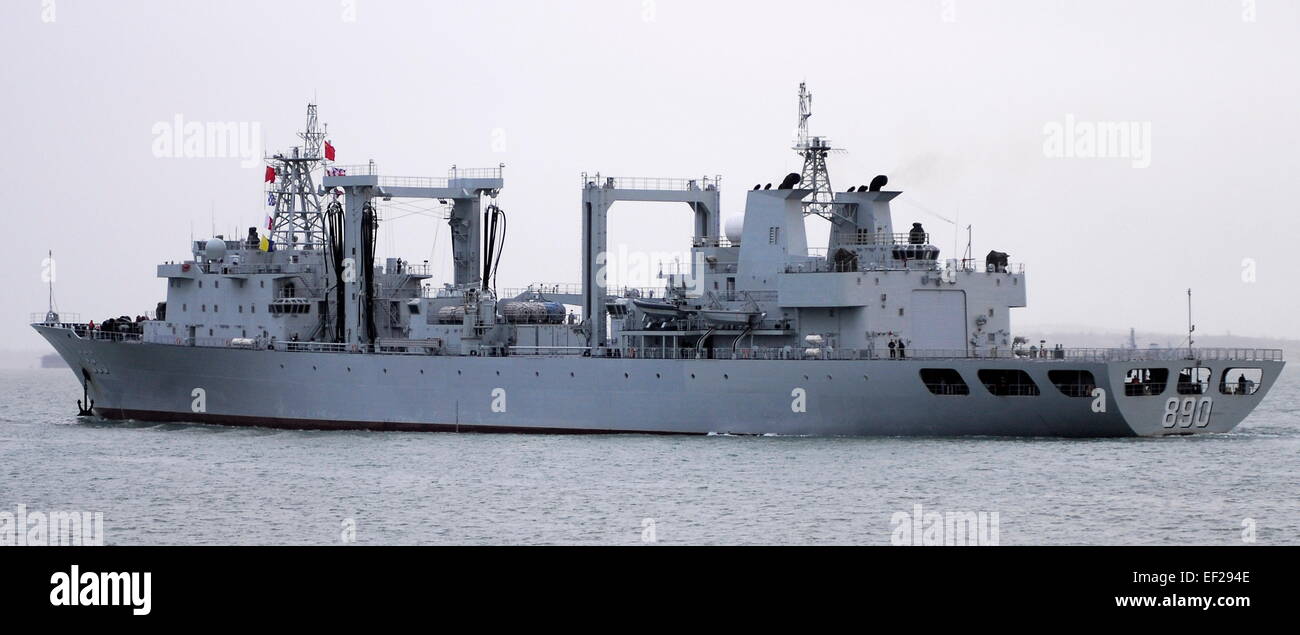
pixel 298 325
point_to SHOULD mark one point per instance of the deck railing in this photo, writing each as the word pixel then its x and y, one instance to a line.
pixel 65 317
pixel 1053 355
pixel 649 183
pixel 904 238
pixel 474 173
pixel 1098 355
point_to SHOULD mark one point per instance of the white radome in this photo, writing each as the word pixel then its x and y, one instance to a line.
pixel 733 228
pixel 216 249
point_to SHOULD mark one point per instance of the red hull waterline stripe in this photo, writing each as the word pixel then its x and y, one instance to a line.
pixel 118 414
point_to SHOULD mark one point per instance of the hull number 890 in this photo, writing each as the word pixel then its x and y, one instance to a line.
pixel 1188 411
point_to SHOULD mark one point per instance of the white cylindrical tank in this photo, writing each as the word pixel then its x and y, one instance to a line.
pixel 734 227
pixel 454 314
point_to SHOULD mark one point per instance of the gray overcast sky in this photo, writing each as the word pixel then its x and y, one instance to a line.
pixel 951 99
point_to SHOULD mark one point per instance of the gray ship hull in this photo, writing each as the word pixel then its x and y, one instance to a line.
pixel 572 394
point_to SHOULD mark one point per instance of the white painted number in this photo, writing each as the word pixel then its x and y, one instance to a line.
pixel 1187 411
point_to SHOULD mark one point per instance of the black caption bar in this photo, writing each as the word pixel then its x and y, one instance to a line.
pixel 178 583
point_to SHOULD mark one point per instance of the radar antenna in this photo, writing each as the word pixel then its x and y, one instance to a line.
pixel 814 149
pixel 297 221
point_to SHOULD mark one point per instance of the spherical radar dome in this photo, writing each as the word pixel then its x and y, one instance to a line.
pixel 216 249
pixel 734 228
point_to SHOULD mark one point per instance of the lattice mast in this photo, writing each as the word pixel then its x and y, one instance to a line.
pixel 813 149
pixel 296 219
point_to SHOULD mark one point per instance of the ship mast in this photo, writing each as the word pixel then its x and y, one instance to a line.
pixel 297 221
pixel 813 149
pixel 52 314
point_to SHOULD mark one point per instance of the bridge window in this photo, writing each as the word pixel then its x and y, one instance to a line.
pixel 1241 381
pixel 1194 381
pixel 1004 382
pixel 1073 383
pixel 944 381
pixel 1145 382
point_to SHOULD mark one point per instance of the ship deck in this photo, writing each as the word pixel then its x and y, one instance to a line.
pixel 422 348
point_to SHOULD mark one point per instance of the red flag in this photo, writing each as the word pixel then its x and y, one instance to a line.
pixel 329 151
pixel 270 174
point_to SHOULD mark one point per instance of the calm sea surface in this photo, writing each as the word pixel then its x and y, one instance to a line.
pixel 199 484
